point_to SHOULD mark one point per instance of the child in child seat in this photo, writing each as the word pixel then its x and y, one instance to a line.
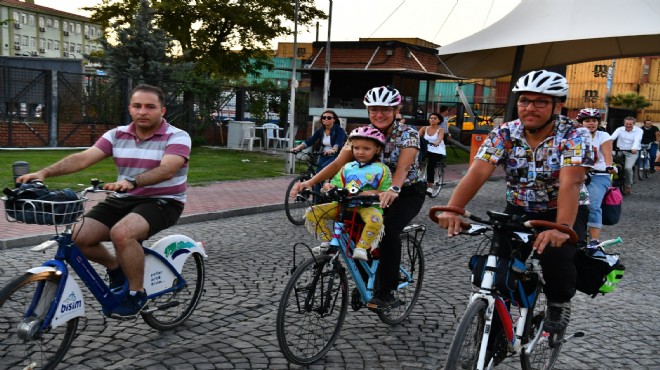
pixel 365 174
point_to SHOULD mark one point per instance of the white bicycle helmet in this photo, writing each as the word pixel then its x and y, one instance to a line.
pixel 382 96
pixel 588 113
pixel 543 82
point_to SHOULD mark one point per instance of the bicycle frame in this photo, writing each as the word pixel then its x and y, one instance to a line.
pixel 163 265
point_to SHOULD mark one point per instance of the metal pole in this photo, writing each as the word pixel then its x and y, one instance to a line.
pixel 326 78
pixel 610 78
pixel 290 159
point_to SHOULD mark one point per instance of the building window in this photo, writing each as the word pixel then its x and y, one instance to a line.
pixel 42 22
pixel 23 18
pixel 33 42
pixel 17 40
pixel 86 29
pixel 17 17
pixel 86 49
pixel 42 43
pixel 78 48
pixel 72 47
pixel 66 45
pixel 56 23
pixel 31 20
pixel 78 28
pixel 56 45
pixel 65 25
pixel 26 40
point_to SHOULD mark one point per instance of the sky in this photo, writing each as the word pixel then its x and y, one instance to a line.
pixel 437 21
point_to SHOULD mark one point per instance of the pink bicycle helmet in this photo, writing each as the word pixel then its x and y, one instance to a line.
pixel 368 132
pixel 382 96
pixel 588 113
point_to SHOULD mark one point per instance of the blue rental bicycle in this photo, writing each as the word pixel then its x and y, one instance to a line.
pixel 315 300
pixel 39 310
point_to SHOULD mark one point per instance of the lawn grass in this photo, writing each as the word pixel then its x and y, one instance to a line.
pixel 207 165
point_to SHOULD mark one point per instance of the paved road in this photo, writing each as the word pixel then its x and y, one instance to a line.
pixel 234 326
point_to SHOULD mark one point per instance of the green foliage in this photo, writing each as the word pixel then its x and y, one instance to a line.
pixel 631 100
pixel 141 50
pixel 206 165
pixel 219 37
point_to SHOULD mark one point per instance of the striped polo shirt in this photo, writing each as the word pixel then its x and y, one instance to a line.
pixel 133 156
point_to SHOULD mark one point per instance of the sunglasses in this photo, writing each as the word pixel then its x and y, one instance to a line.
pixel 327 118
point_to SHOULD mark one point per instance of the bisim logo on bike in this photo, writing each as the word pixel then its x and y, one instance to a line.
pixel 71 303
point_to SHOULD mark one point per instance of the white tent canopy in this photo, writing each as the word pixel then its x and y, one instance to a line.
pixel 548 33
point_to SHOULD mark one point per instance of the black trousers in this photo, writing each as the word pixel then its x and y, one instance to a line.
pixel 433 160
pixel 397 216
pixel 557 263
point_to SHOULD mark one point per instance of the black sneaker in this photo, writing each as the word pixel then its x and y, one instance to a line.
pixel 383 301
pixel 557 316
pixel 117 278
pixel 132 305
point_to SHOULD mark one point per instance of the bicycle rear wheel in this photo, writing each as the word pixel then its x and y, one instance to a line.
pixel 312 310
pixel 170 310
pixel 546 350
pixel 27 347
pixel 295 208
pixel 464 348
pixel 410 272
pixel 439 175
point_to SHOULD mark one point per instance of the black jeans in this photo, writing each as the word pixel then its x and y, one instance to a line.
pixel 557 263
pixel 397 216
pixel 432 161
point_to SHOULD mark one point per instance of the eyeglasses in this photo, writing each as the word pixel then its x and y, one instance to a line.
pixel 541 103
pixel 383 110
pixel 327 118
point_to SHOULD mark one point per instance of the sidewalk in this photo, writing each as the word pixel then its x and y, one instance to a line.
pixel 205 203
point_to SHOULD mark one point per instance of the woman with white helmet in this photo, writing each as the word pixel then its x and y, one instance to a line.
pixel 403 200
pixel 545 157
pixel 600 176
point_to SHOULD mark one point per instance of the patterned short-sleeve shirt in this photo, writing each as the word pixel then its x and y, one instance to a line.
pixel 401 137
pixel 532 176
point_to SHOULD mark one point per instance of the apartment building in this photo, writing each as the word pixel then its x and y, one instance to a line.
pixel 32 30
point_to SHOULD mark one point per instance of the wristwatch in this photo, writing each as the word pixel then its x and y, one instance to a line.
pixel 395 189
pixel 132 180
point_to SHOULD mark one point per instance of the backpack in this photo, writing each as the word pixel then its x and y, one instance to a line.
pixel 34 203
pixel 597 271
pixel 611 206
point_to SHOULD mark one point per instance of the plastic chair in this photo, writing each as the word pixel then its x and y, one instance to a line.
pixel 284 141
pixel 250 136
pixel 272 134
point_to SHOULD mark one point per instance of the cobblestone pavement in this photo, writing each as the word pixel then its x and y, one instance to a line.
pixel 234 325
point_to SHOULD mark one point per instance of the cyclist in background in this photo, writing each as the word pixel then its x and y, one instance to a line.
pixel 545 158
pixel 436 151
pixel 152 160
pixel 600 181
pixel 365 175
pixel 651 137
pixel 330 138
pixel 403 200
pixel 629 142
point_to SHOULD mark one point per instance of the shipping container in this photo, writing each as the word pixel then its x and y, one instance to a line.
pixel 626 70
pixel 654 70
pixel 651 92
pixel 592 94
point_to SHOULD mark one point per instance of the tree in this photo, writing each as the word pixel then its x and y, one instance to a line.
pixel 631 100
pixel 219 36
pixel 141 49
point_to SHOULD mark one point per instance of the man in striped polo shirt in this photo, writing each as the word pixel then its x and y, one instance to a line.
pixel 152 162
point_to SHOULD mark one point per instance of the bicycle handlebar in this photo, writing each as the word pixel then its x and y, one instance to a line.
pixel 344 196
pixel 529 224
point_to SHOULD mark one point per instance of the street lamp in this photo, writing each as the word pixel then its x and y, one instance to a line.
pixel 290 159
pixel 326 76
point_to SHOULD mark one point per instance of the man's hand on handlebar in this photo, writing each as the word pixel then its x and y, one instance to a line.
pixel 549 238
pixel 120 186
pixel 24 179
pixel 297 188
pixel 450 221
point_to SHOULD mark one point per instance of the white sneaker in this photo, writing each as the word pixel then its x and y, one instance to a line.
pixel 320 249
pixel 360 254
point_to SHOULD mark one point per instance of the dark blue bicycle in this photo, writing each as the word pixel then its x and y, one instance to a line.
pixel 39 310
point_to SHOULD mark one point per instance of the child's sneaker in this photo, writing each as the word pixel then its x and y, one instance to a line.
pixel 321 249
pixel 360 254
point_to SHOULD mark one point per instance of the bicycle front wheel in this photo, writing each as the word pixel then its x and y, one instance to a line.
pixel 439 175
pixel 22 344
pixel 312 310
pixel 546 348
pixel 411 275
pixel 295 208
pixel 464 349
pixel 170 310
